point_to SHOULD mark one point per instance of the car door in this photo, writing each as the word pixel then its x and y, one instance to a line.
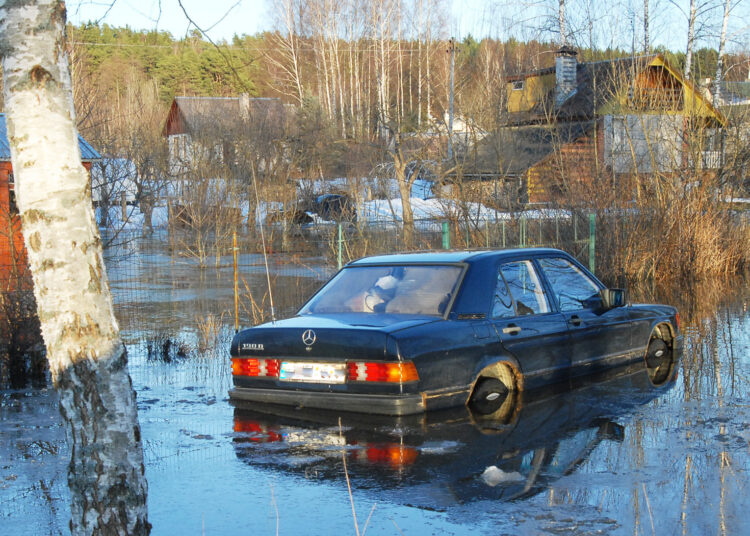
pixel 529 328
pixel 598 337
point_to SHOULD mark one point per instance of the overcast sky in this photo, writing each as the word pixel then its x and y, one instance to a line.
pixel 222 19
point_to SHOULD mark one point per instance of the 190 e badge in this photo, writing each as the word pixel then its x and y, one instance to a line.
pixel 252 346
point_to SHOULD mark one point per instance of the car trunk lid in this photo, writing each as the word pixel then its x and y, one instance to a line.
pixel 335 337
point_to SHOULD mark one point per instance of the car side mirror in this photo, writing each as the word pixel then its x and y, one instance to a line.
pixel 613 297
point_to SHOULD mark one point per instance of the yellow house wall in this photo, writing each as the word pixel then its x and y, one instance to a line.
pixel 534 90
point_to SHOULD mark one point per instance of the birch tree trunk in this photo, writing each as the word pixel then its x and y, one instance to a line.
pixel 690 40
pixel 720 59
pixel 86 356
pixel 287 45
pixel 404 189
pixel 561 22
pixel 646 40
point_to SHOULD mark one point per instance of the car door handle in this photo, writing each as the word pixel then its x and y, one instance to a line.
pixel 576 320
pixel 512 330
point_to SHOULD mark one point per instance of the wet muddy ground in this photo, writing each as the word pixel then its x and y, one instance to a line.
pixel 613 455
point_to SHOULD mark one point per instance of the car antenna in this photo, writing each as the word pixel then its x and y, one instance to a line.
pixel 263 244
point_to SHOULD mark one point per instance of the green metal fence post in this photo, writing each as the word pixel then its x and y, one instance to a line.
pixel 557 229
pixel 592 241
pixel 503 234
pixel 341 244
pixel 446 236
pixel 523 232
pixel 540 232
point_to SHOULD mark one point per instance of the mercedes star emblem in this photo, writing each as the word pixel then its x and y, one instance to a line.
pixel 308 337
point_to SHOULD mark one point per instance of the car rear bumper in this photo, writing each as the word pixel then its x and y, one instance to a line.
pixel 361 403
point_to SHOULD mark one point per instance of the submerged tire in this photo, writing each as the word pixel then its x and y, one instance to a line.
pixel 658 361
pixel 657 353
pixel 489 394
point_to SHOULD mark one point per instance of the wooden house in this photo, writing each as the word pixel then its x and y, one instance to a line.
pixel 13 265
pixel 203 128
pixel 574 123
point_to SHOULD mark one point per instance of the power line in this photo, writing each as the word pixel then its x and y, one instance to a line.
pixel 264 49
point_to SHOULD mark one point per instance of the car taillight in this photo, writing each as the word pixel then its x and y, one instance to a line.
pixel 361 371
pixel 677 321
pixel 258 368
pixel 392 455
pixel 259 433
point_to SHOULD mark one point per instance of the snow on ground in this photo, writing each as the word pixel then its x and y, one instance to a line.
pixel 437 210
pixel 428 214
pixel 134 218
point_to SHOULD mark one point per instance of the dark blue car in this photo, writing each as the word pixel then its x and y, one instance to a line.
pixel 407 333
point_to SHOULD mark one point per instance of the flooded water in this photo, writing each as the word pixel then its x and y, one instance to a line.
pixel 616 454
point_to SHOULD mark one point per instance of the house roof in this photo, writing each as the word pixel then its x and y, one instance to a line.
pixel 597 83
pixel 512 150
pixel 195 113
pixel 88 154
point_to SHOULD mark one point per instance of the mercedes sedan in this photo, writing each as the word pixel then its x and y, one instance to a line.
pixel 407 333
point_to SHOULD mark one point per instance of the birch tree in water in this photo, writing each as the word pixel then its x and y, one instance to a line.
pixel 86 356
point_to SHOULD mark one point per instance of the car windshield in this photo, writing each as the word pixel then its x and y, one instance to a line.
pixel 401 289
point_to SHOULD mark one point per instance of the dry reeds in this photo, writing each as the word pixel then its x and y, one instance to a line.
pixel 211 331
pixel 684 234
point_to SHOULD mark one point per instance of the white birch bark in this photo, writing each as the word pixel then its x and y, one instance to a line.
pixel 646 38
pixel 720 59
pixel 561 22
pixel 428 77
pixel 690 40
pixel 419 81
pixel 86 356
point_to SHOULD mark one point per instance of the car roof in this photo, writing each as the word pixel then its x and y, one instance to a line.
pixel 451 257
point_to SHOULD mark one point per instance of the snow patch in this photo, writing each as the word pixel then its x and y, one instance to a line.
pixel 494 476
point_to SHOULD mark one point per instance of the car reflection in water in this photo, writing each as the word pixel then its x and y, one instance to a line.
pixel 443 458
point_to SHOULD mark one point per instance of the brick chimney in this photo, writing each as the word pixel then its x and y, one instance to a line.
pixel 566 66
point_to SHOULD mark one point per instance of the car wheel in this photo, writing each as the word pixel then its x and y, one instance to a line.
pixel 656 353
pixel 658 360
pixel 489 394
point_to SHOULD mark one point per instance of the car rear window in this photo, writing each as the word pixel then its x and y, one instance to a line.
pixel 402 289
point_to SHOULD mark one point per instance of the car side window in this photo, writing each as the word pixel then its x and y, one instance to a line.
pixel 502 303
pixel 573 289
pixel 522 284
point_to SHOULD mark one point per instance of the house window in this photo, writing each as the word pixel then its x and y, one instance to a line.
pixel 518 85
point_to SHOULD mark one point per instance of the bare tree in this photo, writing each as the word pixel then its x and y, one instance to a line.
pixel 561 22
pixel 646 41
pixel 87 359
pixel 720 59
pixel 690 39
pixel 286 54
pixel 695 15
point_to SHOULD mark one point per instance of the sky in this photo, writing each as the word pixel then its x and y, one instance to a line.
pixel 221 19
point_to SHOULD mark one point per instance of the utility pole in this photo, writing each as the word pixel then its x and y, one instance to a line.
pixel 452 51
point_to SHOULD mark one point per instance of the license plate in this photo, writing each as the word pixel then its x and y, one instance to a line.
pixel 294 371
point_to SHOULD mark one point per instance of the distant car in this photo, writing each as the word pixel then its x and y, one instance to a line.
pixel 335 207
pixel 403 334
